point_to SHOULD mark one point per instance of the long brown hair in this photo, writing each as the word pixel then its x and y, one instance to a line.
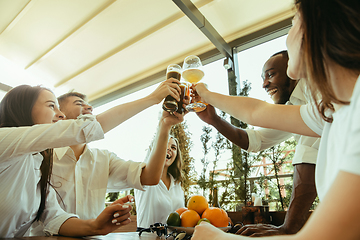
pixel 175 168
pixel 15 111
pixel 331 32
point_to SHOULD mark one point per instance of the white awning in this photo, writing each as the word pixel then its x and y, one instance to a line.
pixel 98 47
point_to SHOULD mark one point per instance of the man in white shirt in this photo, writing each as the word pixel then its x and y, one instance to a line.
pixel 82 176
pixel 282 90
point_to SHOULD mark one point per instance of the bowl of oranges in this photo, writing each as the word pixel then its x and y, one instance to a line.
pixel 197 210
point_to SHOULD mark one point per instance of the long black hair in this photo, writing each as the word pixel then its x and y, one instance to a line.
pixel 15 111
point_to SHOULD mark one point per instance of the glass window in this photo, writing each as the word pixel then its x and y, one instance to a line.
pixel 132 138
pixel 251 62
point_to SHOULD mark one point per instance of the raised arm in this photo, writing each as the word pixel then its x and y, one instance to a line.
pixel 152 172
pixel 236 135
pixel 16 141
pixel 118 114
pixel 258 113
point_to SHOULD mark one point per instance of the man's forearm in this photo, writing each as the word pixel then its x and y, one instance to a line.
pixel 303 195
pixel 119 114
pixel 234 134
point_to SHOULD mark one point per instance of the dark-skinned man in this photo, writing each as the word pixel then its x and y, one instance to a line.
pixel 282 90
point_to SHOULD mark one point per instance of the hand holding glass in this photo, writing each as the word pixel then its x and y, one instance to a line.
pixel 170 104
pixel 193 73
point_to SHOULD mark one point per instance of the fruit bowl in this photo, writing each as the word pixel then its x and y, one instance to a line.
pixel 190 230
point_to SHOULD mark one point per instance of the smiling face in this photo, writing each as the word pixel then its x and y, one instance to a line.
pixel 275 81
pixel 171 154
pixel 73 106
pixel 45 109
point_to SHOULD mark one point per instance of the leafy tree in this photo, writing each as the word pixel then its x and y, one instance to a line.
pixel 278 158
pixel 239 169
pixel 219 145
pixel 205 139
pixel 112 196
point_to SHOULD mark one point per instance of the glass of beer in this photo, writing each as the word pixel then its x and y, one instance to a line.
pixel 193 73
pixel 185 92
pixel 170 104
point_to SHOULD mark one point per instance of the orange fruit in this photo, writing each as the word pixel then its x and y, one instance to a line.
pixel 189 218
pixel 198 203
pixel 181 210
pixel 217 216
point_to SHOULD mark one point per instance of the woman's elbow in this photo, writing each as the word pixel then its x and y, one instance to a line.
pixel 150 181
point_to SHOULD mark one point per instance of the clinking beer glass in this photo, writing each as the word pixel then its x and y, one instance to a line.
pixel 170 104
pixel 193 73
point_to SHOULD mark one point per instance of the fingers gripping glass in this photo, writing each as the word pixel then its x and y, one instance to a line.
pixel 193 73
pixel 170 104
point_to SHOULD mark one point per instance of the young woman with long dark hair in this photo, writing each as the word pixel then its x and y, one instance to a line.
pixel 29 130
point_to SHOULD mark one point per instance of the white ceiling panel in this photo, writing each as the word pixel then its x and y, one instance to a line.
pixel 100 46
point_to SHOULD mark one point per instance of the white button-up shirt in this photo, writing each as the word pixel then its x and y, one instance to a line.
pixel 307 147
pixel 20 162
pixel 83 184
pixel 157 202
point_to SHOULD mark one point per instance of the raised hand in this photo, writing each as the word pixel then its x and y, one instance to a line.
pixel 168 87
pixel 208 115
pixel 171 119
pixel 199 89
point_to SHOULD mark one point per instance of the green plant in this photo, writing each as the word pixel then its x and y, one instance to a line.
pixel 205 140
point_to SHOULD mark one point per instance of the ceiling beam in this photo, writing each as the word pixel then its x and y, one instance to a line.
pixel 245 42
pixel 4 87
pixel 18 16
pixel 191 11
pixel 114 51
pixel 206 58
pixel 67 36
pixel 261 36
